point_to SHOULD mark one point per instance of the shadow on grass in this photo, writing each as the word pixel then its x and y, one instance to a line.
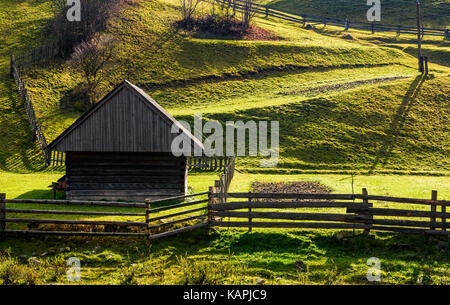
pixel 41 194
pixel 398 122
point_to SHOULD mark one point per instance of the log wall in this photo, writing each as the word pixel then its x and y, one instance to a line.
pixel 124 176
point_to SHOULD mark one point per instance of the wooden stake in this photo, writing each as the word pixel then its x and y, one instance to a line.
pixel 250 210
pixel 443 219
pixel 433 210
pixel 366 202
pixel 2 212
pixel 147 217
pixel 210 202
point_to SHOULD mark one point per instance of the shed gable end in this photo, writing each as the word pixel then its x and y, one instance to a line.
pixel 124 122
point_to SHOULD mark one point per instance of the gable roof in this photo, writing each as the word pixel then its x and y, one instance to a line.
pixel 125 120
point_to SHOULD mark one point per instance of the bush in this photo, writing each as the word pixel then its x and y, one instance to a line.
pixel 12 273
pixel 90 57
pixel 94 18
pixel 214 24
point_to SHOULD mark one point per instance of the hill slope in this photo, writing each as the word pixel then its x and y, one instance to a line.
pixel 342 103
pixel 435 13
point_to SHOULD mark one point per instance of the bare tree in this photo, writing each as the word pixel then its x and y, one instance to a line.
pixel 188 8
pixel 248 13
pixel 90 57
pixel 94 18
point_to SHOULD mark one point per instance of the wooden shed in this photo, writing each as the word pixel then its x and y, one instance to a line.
pixel 120 149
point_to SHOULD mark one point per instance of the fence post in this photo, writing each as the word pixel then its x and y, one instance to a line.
pixel 373 28
pixel 217 187
pixel 147 217
pixel 447 34
pixel 443 219
pixel 426 64
pixel 250 210
pixel 433 210
pixel 2 212
pixel 210 202
pixel 366 201
pixel 267 12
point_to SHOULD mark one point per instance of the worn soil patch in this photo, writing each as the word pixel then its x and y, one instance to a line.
pixel 301 187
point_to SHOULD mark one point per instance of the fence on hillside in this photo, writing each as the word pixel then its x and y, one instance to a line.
pixel 36 55
pixel 357 212
pixel 223 184
pixel 241 5
pixel 25 59
pixel 202 163
pixel 143 228
pixel 278 210
pixel 29 109
pixel 209 163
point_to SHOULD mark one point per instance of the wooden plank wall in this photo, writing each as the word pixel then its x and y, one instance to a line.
pixel 124 176
pixel 125 123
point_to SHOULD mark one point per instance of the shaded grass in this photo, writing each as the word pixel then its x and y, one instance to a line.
pixel 434 12
pixel 263 256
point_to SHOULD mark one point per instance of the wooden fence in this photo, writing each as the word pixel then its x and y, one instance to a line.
pixel 277 210
pixel 194 163
pixel 223 184
pixel 358 212
pixel 241 5
pixel 36 55
pixel 110 228
pixel 29 110
pixel 19 61
pixel 208 163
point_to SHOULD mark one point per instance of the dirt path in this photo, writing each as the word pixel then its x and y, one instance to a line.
pixel 343 86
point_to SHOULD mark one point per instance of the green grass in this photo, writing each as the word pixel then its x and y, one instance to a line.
pixel 235 257
pixel 226 79
pixel 434 12
pixel 265 256
pixel 21 27
pixel 231 80
pixel 393 126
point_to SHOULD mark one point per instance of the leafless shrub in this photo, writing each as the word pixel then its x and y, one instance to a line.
pixel 94 18
pixel 90 57
pixel 248 13
pixel 188 8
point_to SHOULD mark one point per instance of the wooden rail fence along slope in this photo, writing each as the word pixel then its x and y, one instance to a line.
pixel 266 11
pixel 240 210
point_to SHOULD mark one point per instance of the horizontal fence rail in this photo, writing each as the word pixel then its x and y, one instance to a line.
pixel 348 211
pixel 243 210
pixel 242 5
pixel 208 163
pixel 202 163
pixel 146 226
pixel 168 220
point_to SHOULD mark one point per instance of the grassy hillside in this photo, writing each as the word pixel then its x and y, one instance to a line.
pixel 265 256
pixel 435 13
pixel 21 28
pixel 343 104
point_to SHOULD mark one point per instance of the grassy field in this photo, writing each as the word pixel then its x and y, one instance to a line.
pixel 229 256
pixel 351 104
pixel 435 13
pixel 346 101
